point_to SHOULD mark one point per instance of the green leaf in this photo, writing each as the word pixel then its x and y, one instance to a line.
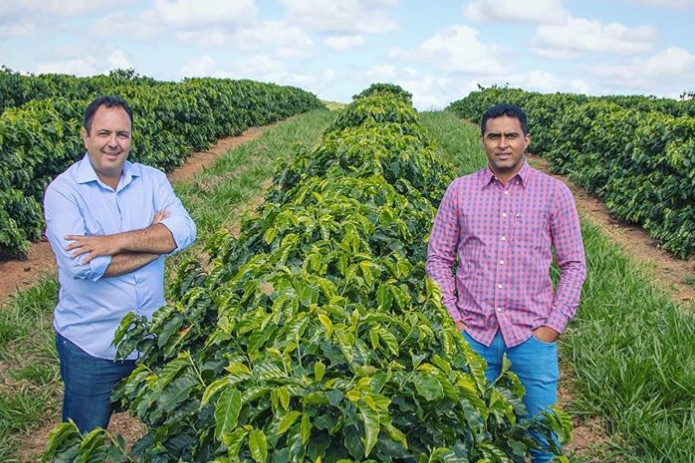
pixel 370 419
pixel 327 324
pixel 396 434
pixel 427 386
pixel 270 235
pixel 227 412
pixel 319 370
pixel 305 429
pixel 287 421
pixel 258 444
pixel 283 395
pixel 384 297
pixel 366 268
pixel 234 441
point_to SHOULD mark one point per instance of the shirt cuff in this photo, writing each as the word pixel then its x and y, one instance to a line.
pixel 180 230
pixel 98 266
pixel 557 320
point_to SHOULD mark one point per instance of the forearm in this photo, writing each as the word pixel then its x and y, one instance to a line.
pixel 127 262
pixel 155 239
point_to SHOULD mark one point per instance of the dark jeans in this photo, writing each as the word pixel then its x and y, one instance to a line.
pixel 88 383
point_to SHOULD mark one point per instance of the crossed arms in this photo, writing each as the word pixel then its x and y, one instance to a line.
pixel 129 251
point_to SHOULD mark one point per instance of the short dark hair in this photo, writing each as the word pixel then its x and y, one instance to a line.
pixel 110 101
pixel 504 109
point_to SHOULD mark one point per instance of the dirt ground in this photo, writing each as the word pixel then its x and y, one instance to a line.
pixel 668 272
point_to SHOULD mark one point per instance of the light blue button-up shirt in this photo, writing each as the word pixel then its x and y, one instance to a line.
pixel 91 306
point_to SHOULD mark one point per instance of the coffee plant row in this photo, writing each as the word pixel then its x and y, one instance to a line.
pixel 39 137
pixel 636 153
pixel 315 336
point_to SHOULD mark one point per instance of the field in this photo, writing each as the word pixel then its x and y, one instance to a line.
pixel 628 357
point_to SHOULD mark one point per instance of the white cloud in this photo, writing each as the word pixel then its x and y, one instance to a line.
pixel 667 73
pixel 205 23
pixel 200 66
pixel 203 13
pixel 539 11
pixel 343 16
pixel 579 86
pixel 285 40
pixel 80 67
pixel 456 48
pixel 22 27
pixel 55 7
pixel 675 4
pixel 118 60
pixel 429 91
pixel 584 35
pixel 144 26
pixel 212 37
pixel 344 42
pixel 257 65
pixel 84 62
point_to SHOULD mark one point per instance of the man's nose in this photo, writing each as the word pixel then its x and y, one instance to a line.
pixel 113 140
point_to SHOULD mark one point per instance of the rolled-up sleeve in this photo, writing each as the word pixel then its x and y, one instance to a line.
pixel 63 218
pixel 178 222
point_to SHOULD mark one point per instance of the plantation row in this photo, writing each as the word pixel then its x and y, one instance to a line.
pixel 315 335
pixel 39 138
pixel 635 153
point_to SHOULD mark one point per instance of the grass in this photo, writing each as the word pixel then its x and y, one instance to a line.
pixel 30 385
pixel 630 350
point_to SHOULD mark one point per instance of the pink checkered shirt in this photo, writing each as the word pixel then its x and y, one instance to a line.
pixel 503 238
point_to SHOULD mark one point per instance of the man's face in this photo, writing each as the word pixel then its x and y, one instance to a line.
pixel 108 142
pixel 505 144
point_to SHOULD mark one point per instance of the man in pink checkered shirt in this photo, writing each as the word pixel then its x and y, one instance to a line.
pixel 490 251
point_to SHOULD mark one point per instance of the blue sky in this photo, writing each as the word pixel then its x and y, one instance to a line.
pixel 437 50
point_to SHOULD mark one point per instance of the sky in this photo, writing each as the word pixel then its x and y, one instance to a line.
pixel 437 50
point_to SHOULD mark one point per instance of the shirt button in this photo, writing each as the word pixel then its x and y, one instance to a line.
pixel 504 214
pixel 506 192
pixel 504 238
pixel 499 309
pixel 499 286
pixel 502 261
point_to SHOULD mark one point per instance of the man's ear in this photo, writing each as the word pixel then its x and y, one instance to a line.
pixel 84 135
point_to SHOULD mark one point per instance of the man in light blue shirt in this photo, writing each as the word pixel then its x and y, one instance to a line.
pixel 110 223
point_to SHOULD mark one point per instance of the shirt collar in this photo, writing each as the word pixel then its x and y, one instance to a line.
pixel 524 174
pixel 86 173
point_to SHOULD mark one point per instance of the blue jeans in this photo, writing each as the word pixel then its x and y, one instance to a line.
pixel 535 363
pixel 88 383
